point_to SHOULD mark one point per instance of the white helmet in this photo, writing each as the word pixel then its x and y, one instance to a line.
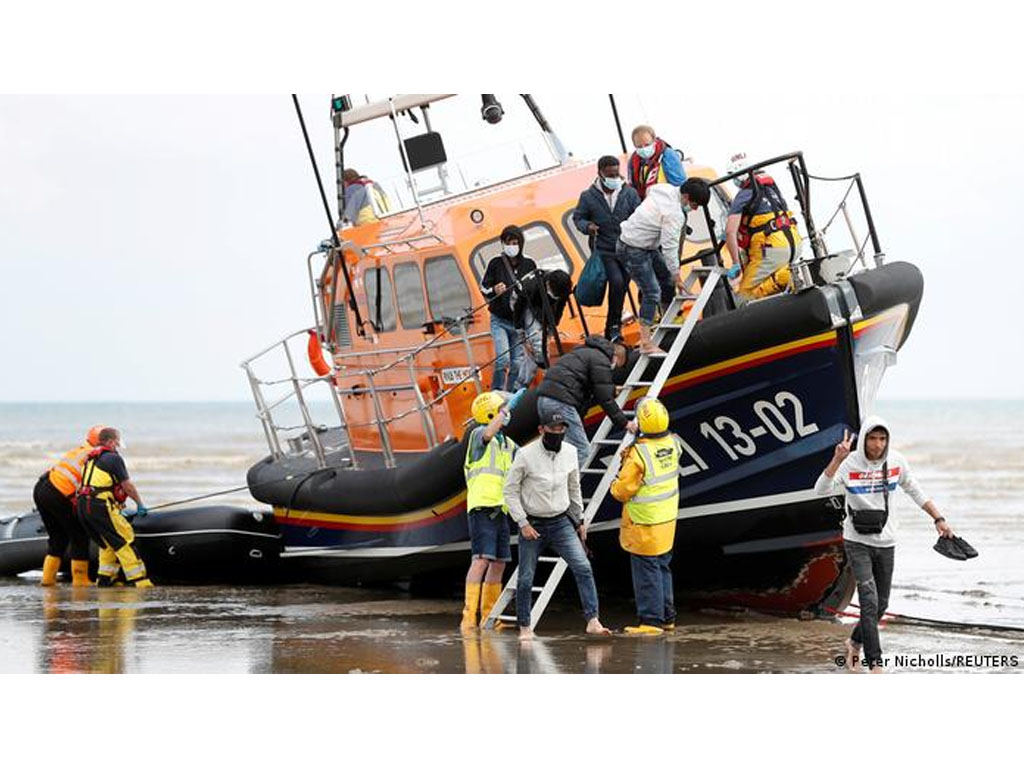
pixel 737 161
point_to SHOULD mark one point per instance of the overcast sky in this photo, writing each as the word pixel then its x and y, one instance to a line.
pixel 149 244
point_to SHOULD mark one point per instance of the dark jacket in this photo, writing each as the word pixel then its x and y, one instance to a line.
pixel 498 272
pixel 585 375
pixel 593 207
pixel 530 298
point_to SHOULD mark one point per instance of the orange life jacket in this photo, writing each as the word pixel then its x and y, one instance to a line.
pixel 66 474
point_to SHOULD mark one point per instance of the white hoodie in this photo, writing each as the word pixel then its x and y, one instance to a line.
pixel 862 480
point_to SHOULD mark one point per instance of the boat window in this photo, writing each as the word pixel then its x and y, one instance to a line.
pixel 541 245
pixel 446 288
pixel 386 321
pixel 718 207
pixel 409 287
pixel 581 241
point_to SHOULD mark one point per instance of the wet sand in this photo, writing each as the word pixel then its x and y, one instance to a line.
pixel 310 629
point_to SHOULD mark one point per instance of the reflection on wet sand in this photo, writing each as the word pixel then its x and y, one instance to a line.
pixel 307 629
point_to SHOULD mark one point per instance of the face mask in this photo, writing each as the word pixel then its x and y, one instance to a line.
pixel 552 441
pixel 646 151
pixel 511 250
pixel 611 184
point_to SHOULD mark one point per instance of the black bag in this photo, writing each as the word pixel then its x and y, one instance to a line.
pixel 873 520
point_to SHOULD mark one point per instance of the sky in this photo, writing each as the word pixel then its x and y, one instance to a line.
pixel 176 227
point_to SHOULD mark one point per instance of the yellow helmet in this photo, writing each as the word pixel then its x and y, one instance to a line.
pixel 652 415
pixel 486 407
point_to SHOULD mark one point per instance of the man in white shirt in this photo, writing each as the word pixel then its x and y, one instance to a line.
pixel 653 233
pixel 542 492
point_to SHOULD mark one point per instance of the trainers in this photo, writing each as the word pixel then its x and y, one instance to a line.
pixel 644 629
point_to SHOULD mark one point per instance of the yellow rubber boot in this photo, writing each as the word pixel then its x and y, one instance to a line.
pixel 472 603
pixel 644 629
pixel 141 584
pixel 488 597
pixel 80 573
pixel 51 565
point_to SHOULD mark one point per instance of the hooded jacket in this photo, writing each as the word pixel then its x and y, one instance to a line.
pixel 862 480
pixel 585 375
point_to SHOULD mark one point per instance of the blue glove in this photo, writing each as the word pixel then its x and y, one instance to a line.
pixel 733 272
pixel 141 511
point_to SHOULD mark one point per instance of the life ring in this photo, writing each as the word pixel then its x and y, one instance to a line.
pixel 316 355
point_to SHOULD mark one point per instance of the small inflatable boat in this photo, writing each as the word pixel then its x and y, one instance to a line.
pixel 214 544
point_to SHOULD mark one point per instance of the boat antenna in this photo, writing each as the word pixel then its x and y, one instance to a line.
pixel 618 125
pixel 330 222
pixel 557 148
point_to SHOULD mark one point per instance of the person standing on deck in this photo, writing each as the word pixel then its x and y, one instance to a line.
pixel 648 487
pixel 501 279
pixel 868 474
pixel 599 214
pixel 543 495
pixel 54 495
pixel 105 486
pixel 489 455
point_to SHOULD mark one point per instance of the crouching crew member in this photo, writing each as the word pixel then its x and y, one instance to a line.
pixel 542 491
pixel 54 498
pixel 761 234
pixel 105 486
pixel 648 487
pixel 489 456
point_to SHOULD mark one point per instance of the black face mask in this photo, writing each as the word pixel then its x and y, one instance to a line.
pixel 553 440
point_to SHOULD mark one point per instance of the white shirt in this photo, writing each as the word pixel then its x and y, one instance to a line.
pixel 543 484
pixel 657 223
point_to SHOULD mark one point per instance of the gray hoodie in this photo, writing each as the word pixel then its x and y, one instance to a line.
pixel 862 480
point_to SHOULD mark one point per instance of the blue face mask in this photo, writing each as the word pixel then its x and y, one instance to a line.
pixel 611 184
pixel 646 152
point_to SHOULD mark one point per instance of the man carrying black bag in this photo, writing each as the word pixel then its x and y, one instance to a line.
pixel 869 474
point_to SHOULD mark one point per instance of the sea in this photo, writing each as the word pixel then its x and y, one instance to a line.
pixel 945 615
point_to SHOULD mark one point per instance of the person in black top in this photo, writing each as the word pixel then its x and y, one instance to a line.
pixel 538 309
pixel 101 496
pixel 600 211
pixel 502 280
pixel 579 378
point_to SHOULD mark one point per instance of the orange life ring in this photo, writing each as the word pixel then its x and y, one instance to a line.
pixel 316 355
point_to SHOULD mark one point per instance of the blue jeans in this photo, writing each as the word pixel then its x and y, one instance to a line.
pixel 507 353
pixel 652 587
pixel 575 434
pixel 872 567
pixel 640 266
pixel 559 534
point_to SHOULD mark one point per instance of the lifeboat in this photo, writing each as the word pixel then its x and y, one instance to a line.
pixel 364 471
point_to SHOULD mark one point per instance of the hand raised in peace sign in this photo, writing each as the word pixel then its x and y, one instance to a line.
pixel 843 446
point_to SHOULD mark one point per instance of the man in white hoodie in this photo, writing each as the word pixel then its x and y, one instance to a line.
pixel 869 474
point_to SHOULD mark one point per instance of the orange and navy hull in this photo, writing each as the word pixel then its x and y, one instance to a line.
pixel 760 397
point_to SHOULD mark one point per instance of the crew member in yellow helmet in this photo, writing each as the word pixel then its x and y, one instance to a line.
pixel 54 495
pixel 104 488
pixel 489 455
pixel 648 487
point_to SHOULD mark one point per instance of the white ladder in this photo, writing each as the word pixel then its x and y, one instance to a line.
pixel 601 442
